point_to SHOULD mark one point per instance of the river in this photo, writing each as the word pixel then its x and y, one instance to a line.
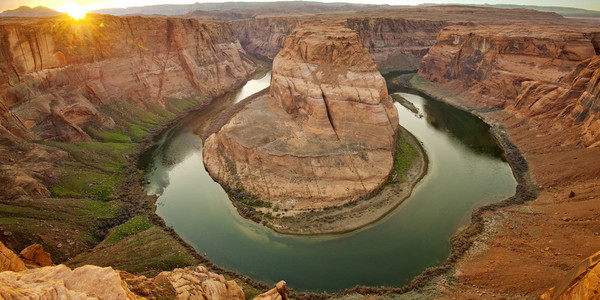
pixel 465 172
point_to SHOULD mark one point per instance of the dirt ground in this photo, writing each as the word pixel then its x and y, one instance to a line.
pixel 526 249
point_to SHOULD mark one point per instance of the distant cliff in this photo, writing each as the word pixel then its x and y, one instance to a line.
pixel 392 42
pixel 55 74
pixel 542 71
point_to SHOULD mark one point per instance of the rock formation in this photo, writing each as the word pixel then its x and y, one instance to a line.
pixel 516 68
pixel 395 39
pixel 9 261
pixel 60 282
pixel 44 281
pixel 200 284
pixel 277 293
pixel 583 282
pixel 537 85
pixel 55 74
pixel 396 42
pixel 325 136
pixel 35 255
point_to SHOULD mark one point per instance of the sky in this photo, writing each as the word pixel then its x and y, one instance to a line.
pixel 60 5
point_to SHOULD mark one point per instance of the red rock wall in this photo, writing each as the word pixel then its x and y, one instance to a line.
pixel 536 71
pixel 396 42
pixel 54 73
pixel 392 42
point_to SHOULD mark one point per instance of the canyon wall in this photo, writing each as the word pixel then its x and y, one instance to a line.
pixel 265 35
pixel 536 83
pixel 396 42
pixel 392 42
pixel 56 73
pixel 325 135
pixel 535 71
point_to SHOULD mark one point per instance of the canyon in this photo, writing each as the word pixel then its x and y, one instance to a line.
pixel 532 75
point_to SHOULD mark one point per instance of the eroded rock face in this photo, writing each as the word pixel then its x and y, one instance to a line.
pixel 60 282
pixel 276 293
pixel 395 42
pixel 539 71
pixel 200 284
pixel 325 135
pixel 56 73
pixel 36 256
pixel 9 261
pixel 44 281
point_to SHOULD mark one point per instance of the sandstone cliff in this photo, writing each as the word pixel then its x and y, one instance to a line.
pixel 395 39
pixel 265 35
pixel 532 71
pixel 395 42
pixel 325 136
pixel 55 74
pixel 536 84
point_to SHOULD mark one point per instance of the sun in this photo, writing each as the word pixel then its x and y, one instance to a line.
pixel 75 12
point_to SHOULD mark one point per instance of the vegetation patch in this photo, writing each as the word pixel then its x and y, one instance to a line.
pixel 93 170
pixel 131 227
pixel 146 252
pixel 403 160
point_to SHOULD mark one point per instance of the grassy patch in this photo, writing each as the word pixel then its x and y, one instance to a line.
pixel 112 136
pixel 131 227
pixel 405 155
pixel 178 105
pixel 51 222
pixel 93 170
pixel 147 252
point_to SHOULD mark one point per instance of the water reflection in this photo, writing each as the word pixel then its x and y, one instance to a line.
pixel 462 125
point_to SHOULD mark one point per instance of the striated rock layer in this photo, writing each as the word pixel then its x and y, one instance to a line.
pixel 56 73
pixel 541 71
pixel 325 135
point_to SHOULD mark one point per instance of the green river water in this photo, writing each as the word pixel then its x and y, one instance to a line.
pixel 465 171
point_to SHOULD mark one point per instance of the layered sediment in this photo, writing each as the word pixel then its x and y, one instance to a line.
pixel 323 137
pixel 56 74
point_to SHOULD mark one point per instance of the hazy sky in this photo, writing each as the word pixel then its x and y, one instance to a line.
pixel 95 4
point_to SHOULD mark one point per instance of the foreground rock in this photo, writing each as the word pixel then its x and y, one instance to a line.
pixel 9 261
pixel 43 281
pixel 277 293
pixel 583 282
pixel 200 284
pixel 35 255
pixel 325 135
pixel 60 282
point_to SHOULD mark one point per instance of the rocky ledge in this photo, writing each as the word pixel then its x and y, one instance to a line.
pixel 324 137
pixel 33 276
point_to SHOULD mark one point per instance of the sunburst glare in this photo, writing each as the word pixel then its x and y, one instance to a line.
pixel 75 11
